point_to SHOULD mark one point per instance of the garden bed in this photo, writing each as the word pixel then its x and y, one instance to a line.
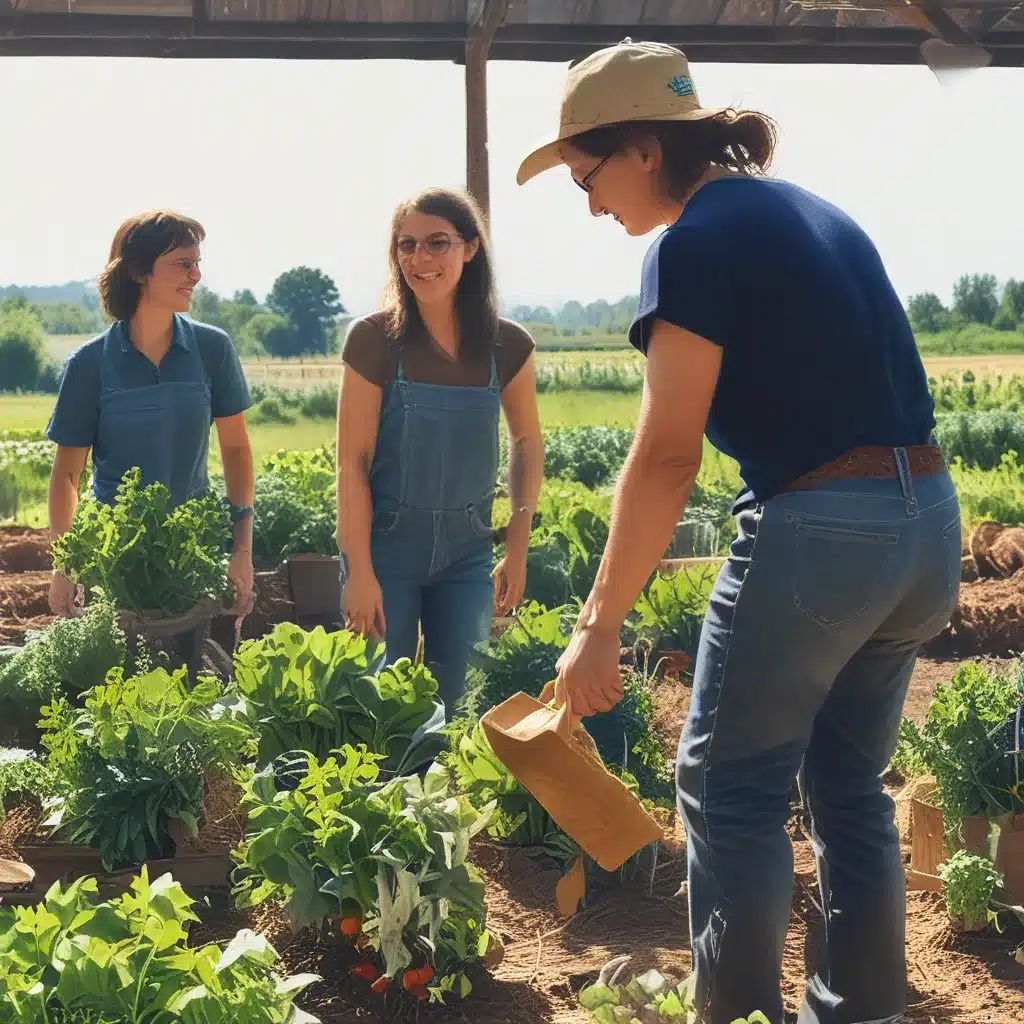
pixel 952 978
pixel 24 550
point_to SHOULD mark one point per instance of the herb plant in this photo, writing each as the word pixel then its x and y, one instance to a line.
pixel 145 555
pixel 317 691
pixel 68 656
pixel 671 610
pixel 968 882
pixel 962 744
pixel 328 839
pixel 74 960
pixel 647 997
pixel 135 758
pixel 23 775
pixel 295 506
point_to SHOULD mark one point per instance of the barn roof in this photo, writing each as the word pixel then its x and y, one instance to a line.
pixel 772 31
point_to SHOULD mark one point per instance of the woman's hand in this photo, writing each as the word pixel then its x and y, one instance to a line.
pixel 240 575
pixel 509 581
pixel 588 671
pixel 63 592
pixel 362 604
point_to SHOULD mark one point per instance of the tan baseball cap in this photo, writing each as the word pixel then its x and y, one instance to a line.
pixel 626 82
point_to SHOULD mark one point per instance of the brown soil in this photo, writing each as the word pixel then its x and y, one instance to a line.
pixel 24 550
pixel 989 619
pixel 23 595
pixel 14 631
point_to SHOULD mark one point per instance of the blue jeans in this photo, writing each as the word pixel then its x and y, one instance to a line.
pixel 808 646
pixel 434 570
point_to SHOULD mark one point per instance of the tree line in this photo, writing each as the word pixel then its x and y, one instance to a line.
pixel 298 317
pixel 977 299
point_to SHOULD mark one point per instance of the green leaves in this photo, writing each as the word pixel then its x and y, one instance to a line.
pixel 338 840
pixel 135 759
pixel 968 883
pixel 319 691
pixel 964 742
pixel 648 997
pixel 126 960
pixel 144 555
pixel 671 609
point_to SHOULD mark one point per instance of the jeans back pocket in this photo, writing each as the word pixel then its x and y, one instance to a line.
pixel 839 570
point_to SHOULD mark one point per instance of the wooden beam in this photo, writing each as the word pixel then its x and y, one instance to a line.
pixel 484 19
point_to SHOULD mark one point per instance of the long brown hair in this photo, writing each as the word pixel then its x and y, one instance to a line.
pixel 476 301
pixel 739 140
pixel 140 241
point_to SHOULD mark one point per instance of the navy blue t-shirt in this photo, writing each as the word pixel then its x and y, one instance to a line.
pixel 818 355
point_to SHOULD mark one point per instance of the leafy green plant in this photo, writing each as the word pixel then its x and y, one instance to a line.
pixel 962 744
pixel 671 609
pixel 135 758
pixel 295 506
pixel 317 691
pixel 564 555
pixel 647 997
pixel 23 775
pixel 968 881
pixel 145 555
pixel 75 960
pixel 68 656
pixel 328 839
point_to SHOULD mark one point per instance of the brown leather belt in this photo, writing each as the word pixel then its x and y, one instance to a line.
pixel 875 462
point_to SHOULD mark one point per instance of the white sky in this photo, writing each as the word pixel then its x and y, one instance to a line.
pixel 301 162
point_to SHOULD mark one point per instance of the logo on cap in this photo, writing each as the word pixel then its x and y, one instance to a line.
pixel 681 85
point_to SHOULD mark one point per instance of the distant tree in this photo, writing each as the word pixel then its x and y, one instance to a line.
pixel 571 316
pixel 309 299
pixel 68 318
pixel 22 349
pixel 974 298
pixel 206 306
pixel 245 298
pixel 271 334
pixel 927 313
pixel 1011 311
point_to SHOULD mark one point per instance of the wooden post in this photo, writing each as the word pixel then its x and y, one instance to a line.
pixel 485 16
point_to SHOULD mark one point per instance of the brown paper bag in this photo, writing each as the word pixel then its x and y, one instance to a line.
pixel 552 755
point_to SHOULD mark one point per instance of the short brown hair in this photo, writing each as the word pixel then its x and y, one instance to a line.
pixel 140 241
pixel 476 301
pixel 739 140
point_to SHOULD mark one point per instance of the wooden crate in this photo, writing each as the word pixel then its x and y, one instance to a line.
pixel 928 851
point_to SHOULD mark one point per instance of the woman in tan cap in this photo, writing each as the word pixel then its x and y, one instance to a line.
pixel 770 325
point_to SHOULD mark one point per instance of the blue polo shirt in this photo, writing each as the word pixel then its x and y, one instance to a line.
pixel 131 412
pixel 818 355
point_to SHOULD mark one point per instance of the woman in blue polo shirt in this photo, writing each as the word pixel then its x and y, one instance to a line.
pixel 145 392
pixel 769 323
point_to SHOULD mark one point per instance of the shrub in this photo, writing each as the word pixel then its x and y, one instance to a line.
pixel 22 350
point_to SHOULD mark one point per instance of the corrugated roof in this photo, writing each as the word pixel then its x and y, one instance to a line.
pixel 808 31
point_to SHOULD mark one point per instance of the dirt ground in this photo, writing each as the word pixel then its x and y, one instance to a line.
pixel 23 550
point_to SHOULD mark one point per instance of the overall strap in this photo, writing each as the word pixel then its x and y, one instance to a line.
pixel 492 384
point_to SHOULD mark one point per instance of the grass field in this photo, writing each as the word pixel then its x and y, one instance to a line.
pixel 32 412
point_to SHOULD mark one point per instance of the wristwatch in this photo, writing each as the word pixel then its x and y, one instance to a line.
pixel 342 568
pixel 240 512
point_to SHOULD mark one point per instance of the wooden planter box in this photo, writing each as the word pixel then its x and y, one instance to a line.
pixel 928 851
pixel 64 862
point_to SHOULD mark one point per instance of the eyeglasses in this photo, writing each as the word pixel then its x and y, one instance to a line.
pixel 585 183
pixel 434 245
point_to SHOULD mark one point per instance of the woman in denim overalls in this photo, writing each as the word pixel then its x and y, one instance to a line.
pixel 770 326
pixel 424 384
pixel 146 391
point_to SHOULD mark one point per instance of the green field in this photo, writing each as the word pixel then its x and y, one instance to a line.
pixel 31 412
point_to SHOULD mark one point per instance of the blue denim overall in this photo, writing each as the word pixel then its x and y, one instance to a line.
pixel 805 657
pixel 163 427
pixel 432 547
